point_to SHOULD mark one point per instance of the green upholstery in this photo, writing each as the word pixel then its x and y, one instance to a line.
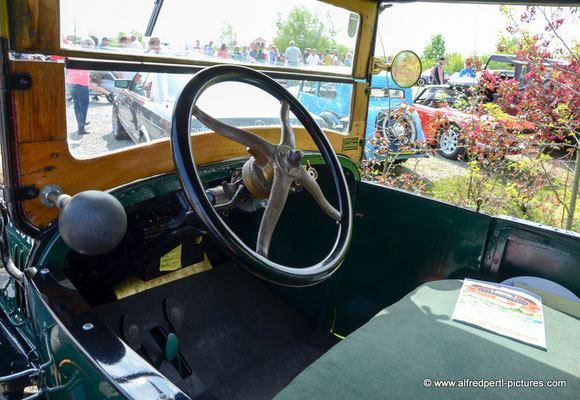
pixel 414 339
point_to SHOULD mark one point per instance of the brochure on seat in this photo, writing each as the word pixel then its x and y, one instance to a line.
pixel 505 310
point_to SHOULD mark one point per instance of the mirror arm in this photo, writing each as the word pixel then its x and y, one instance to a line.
pixel 376 66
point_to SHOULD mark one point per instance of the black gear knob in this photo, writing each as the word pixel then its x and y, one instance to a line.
pixel 91 222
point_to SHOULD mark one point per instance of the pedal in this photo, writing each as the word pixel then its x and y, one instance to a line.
pixel 132 331
pixel 174 314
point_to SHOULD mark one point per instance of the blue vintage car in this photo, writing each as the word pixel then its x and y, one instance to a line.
pixel 393 130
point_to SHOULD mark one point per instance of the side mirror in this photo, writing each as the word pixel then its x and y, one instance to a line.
pixel 122 83
pixel 406 69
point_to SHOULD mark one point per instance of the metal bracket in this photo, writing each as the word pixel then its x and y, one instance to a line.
pixel 376 65
pixel 18 81
pixel 19 193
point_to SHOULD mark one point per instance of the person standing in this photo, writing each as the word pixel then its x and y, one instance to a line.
pixel 197 47
pixel 257 54
pixel 335 57
pixel 468 70
pixel 273 56
pixel 348 60
pixel 154 45
pixel 208 49
pixel 313 58
pixel 104 44
pixel 237 55
pixel 222 52
pixel 437 73
pixel 293 55
pixel 79 81
pixel 124 41
pixel 136 44
pixel 327 58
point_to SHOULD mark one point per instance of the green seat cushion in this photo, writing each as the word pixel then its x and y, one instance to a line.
pixel 415 339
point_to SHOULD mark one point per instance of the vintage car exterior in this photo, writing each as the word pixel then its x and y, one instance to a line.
pixel 143 110
pixel 389 117
pixel 449 127
pixel 124 275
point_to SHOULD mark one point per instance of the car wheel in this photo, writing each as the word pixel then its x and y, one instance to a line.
pixel 397 126
pixel 118 131
pixel 450 143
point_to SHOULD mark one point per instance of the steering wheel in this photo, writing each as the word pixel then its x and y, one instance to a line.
pixel 270 171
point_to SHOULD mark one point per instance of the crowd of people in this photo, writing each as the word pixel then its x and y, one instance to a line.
pixel 255 52
pixel 82 83
pixel 258 52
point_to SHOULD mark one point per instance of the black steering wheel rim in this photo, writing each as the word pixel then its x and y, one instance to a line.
pixel 195 192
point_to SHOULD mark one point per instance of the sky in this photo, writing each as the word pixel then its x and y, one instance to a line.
pixel 466 28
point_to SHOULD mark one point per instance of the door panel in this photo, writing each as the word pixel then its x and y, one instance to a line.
pixel 401 240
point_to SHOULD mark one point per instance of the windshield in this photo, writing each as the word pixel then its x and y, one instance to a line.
pixel 142 110
pixel 291 34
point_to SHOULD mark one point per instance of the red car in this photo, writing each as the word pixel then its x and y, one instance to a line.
pixel 448 123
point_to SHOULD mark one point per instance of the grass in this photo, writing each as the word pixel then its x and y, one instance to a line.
pixel 532 188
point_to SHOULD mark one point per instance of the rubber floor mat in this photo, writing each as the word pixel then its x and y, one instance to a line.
pixel 240 340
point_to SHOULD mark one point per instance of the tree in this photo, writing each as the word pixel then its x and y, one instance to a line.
pixel 433 51
pixel 551 99
pixel 306 28
pixel 455 62
pixel 227 34
pixel 508 45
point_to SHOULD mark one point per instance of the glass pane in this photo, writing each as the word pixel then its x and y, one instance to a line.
pixel 108 111
pixel 498 130
pixel 295 34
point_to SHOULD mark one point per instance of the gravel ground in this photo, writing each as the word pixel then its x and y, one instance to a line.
pixel 101 139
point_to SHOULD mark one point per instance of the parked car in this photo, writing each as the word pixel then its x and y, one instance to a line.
pixel 142 110
pixel 449 122
pixel 389 115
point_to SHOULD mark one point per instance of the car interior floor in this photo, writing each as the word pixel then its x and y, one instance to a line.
pixel 234 338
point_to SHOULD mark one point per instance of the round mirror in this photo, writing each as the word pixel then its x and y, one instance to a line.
pixel 406 69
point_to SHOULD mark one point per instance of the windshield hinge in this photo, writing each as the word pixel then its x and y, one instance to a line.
pixel 19 193
pixel 376 65
pixel 18 81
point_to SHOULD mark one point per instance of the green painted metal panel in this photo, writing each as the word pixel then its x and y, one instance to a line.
pixel 401 240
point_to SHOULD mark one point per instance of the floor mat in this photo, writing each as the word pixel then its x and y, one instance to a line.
pixel 240 340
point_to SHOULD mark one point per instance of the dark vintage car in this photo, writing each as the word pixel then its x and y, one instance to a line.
pixel 143 109
pixel 248 263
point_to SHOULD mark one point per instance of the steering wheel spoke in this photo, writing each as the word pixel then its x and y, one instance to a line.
pixel 260 148
pixel 276 203
pixel 310 184
pixel 288 138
